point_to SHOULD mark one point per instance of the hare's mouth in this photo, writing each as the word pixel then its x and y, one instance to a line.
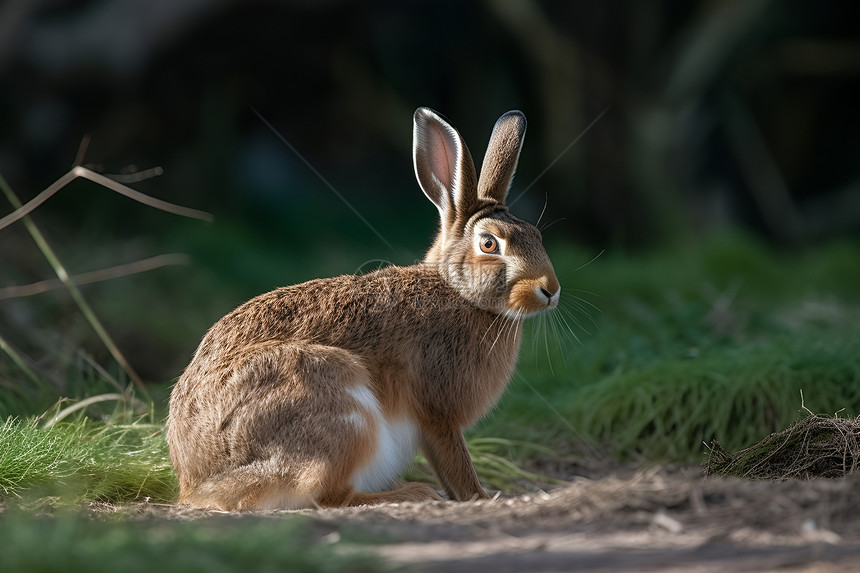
pixel 531 297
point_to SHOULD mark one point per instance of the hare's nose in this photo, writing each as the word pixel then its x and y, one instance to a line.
pixel 551 298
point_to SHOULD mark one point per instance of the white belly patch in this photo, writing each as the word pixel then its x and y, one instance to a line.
pixel 396 444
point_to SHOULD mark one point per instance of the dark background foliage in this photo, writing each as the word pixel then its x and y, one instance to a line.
pixel 718 114
pixel 737 111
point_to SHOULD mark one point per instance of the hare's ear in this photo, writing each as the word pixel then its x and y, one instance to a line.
pixel 503 152
pixel 443 165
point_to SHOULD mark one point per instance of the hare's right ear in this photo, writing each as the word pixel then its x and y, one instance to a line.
pixel 503 153
pixel 443 166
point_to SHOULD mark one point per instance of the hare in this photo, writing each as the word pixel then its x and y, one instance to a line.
pixel 320 394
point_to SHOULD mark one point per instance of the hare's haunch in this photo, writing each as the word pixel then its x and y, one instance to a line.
pixel 321 393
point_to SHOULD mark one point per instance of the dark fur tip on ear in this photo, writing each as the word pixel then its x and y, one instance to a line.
pixel 517 116
pixel 503 152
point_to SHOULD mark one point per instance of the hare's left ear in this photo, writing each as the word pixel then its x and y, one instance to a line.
pixel 503 152
pixel 443 166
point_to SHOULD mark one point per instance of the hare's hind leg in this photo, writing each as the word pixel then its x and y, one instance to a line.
pixel 299 425
pixel 289 431
pixel 251 487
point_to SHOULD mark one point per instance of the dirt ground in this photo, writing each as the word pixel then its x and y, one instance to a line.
pixel 648 522
pixel 655 520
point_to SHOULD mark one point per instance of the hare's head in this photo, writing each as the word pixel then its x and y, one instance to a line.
pixel 494 260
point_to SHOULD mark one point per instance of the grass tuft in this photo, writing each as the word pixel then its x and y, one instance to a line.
pixel 667 410
pixel 83 461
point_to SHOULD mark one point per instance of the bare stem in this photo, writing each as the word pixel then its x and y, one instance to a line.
pixel 63 275
pixel 18 360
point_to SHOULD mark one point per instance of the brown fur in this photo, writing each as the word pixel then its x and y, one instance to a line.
pixel 292 397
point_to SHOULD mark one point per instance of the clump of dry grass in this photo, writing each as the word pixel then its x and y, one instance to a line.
pixel 812 447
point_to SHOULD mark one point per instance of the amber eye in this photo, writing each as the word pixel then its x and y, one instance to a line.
pixel 489 244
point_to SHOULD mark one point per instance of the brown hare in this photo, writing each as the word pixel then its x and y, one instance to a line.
pixel 320 394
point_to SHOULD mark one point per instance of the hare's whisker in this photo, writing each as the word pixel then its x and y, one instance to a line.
pixel 563 316
pixel 489 328
pixel 558 326
pixel 550 332
pixel 508 329
pixel 576 306
pixel 545 203
pixel 518 325
pixel 537 329
pixel 585 302
pixel 501 330
pixel 548 357
pixel 588 292
pixel 548 225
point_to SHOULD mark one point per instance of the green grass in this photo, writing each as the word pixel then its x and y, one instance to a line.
pixel 657 353
pixel 71 543
pixel 84 460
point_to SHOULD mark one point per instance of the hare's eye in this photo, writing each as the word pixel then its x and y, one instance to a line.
pixel 489 244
